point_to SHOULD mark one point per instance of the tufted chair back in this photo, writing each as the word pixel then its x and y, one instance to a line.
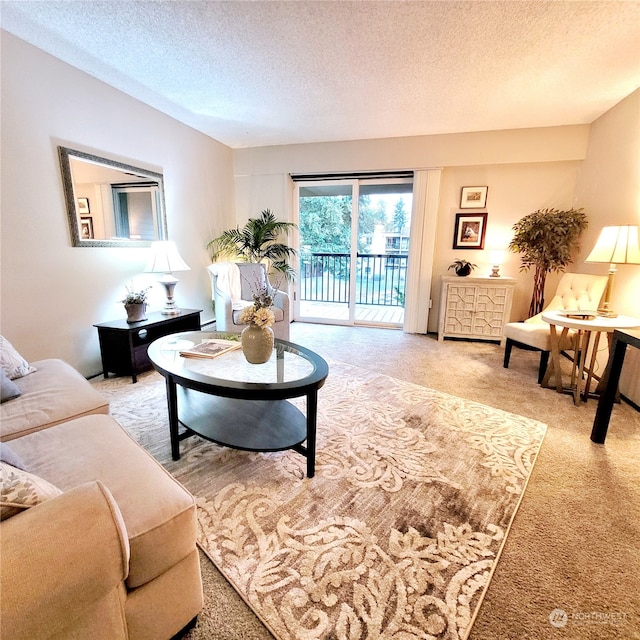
pixel 575 291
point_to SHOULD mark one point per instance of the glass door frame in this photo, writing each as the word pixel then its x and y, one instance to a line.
pixel 355 208
pixel 353 236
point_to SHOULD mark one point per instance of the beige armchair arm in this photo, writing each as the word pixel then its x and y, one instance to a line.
pixel 62 562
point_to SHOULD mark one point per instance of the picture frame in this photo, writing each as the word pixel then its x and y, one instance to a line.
pixel 473 197
pixel 86 228
pixel 470 230
pixel 83 206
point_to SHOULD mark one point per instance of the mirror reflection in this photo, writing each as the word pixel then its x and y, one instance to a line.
pixel 111 204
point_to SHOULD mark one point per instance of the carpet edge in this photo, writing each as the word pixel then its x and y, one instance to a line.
pixel 506 536
pixel 235 588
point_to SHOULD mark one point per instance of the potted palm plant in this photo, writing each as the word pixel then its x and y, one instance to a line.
pixel 546 239
pixel 257 242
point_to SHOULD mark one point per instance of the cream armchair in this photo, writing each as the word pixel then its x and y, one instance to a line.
pixel 232 288
pixel 575 291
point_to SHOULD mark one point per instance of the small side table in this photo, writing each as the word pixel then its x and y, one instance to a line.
pixel 610 381
pixel 585 329
pixel 123 345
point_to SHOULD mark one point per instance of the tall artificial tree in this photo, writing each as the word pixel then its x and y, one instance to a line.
pixel 546 239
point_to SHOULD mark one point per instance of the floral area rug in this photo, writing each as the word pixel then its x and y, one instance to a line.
pixel 398 533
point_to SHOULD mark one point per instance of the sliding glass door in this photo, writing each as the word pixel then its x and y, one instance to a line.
pixel 353 251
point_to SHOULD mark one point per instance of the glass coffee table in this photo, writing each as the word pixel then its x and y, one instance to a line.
pixel 240 405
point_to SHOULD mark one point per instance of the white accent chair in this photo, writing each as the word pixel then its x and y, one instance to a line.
pixel 575 291
pixel 232 288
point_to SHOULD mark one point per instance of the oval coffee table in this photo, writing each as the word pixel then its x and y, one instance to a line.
pixel 240 405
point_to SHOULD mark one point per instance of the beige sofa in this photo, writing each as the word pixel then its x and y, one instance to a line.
pixel 114 554
pixel 55 392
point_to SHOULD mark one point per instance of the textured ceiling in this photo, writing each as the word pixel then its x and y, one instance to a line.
pixel 253 73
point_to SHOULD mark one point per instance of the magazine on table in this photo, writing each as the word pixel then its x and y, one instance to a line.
pixel 210 348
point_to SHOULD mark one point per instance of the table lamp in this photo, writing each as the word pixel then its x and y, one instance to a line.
pixel 615 245
pixel 497 258
pixel 165 259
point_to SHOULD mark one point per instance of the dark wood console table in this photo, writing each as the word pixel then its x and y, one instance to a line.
pixel 610 380
pixel 123 345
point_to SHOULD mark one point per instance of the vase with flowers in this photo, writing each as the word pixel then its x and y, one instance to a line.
pixel 257 336
pixel 135 304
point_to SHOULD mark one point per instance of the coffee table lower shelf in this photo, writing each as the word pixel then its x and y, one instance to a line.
pixel 249 425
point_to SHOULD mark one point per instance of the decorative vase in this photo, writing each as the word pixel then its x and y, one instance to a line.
pixel 463 271
pixel 136 312
pixel 257 343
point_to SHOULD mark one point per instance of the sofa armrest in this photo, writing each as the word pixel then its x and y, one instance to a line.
pixel 60 558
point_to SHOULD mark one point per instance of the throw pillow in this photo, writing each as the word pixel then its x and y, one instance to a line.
pixel 8 388
pixel 20 490
pixel 9 456
pixel 14 365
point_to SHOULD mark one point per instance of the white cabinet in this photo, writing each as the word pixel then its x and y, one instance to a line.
pixel 474 308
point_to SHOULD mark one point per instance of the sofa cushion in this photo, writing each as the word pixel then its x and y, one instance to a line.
pixel 13 364
pixel 55 393
pixel 159 514
pixel 8 455
pixel 20 490
pixel 8 388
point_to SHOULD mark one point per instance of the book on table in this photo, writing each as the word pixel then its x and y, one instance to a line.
pixel 578 314
pixel 210 349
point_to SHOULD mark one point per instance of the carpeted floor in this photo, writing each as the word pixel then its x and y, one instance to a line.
pixel 575 541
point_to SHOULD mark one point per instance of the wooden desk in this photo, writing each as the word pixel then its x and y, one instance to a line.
pixel 585 329
pixel 610 381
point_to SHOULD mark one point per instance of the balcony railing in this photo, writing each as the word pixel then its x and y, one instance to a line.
pixel 380 278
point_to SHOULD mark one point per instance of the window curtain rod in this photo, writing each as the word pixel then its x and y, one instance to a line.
pixel 374 175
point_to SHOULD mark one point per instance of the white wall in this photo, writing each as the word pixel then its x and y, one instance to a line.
pixel 524 169
pixel 595 167
pixel 609 189
pixel 514 191
pixel 52 293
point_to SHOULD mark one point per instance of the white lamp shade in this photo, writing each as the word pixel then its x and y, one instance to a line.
pixel 165 258
pixel 617 245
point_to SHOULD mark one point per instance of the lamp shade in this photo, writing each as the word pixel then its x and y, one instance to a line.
pixel 617 245
pixel 165 258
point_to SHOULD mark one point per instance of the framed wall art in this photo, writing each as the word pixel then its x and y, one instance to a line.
pixel 473 197
pixel 469 230
pixel 83 206
pixel 86 228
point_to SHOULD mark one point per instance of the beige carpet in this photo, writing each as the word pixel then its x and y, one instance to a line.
pixel 573 544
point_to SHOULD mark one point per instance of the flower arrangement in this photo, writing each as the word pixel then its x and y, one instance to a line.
pixel 259 313
pixel 136 297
